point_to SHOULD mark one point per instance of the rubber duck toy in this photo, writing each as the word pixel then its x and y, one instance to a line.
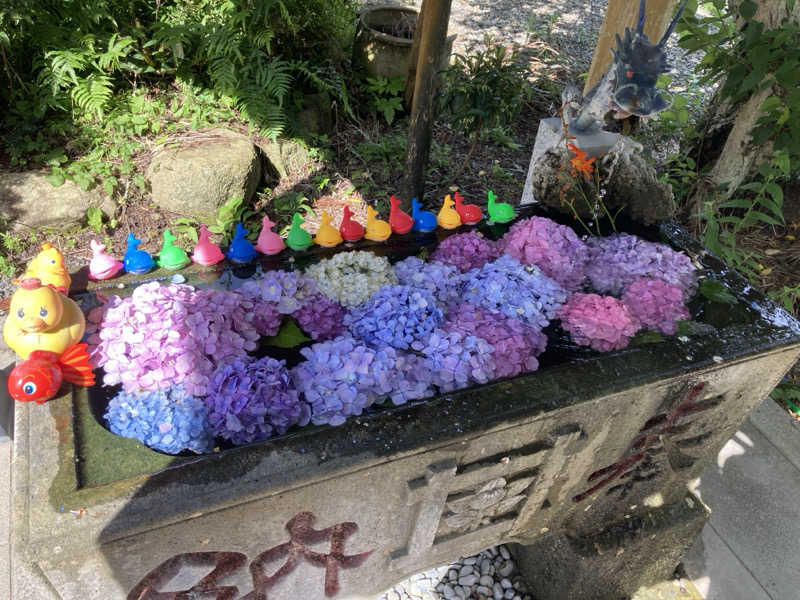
pixel 327 235
pixel 171 256
pixel 205 251
pixel 424 220
pixel 39 318
pixel 470 214
pixel 136 261
pixel 351 230
pixel 448 217
pixel 48 267
pixel 298 238
pixel 400 222
pixel 269 242
pixel 499 212
pixel 240 250
pixel 102 265
pixel 38 378
pixel 376 230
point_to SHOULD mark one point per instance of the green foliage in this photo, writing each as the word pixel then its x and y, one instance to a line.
pixel 94 217
pixel 185 227
pixel 789 394
pixel 788 297
pixel 386 95
pixel 284 206
pixel 714 290
pixel 235 210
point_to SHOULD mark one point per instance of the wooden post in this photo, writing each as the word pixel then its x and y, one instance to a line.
pixel 619 15
pixel 411 75
pixel 435 16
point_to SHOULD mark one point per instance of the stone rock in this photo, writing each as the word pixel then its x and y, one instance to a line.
pixel 29 200
pixel 196 179
pixel 285 157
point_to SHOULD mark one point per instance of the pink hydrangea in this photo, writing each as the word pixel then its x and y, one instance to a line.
pixel 602 322
pixel 466 251
pixel 656 304
pixel 554 248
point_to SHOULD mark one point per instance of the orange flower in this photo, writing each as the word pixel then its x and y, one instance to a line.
pixel 581 160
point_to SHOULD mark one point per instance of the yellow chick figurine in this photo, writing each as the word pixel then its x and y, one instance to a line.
pixel 40 318
pixel 48 267
pixel 377 230
pixel 327 234
pixel 448 216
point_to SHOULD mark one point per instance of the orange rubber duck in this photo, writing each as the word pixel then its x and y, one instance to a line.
pixel 48 267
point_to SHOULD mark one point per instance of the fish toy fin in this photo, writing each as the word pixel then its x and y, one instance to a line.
pixel 75 365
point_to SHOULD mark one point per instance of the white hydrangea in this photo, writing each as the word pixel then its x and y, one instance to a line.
pixel 351 278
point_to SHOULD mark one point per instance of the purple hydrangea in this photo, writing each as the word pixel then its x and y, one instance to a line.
pixel 174 334
pixel 342 377
pixel 602 322
pixel 285 291
pixel 252 400
pixel 466 251
pixel 554 248
pixel 414 379
pixel 615 261
pixel 320 317
pixel 515 344
pixel 455 361
pixel 656 304
pixel 169 420
pixel 518 291
pixel 440 279
pixel 396 315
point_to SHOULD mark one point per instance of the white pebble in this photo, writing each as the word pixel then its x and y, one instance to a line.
pixel 485 591
pixel 461 592
pixel 470 561
pixel 487 581
pixel 504 552
pixel 468 580
pixel 485 564
pixel 509 594
pixel 506 583
pixel 506 569
pixel 449 592
pixel 497 590
pixel 452 575
pixel 465 570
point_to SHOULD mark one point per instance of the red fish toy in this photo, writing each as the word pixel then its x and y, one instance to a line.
pixel 38 378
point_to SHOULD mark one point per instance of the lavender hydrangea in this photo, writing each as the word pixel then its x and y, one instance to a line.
pixel 554 248
pixel 174 334
pixel 515 344
pixel 440 279
pixel 350 278
pixel 615 261
pixel 342 377
pixel 601 322
pixel 284 291
pixel 518 291
pixel 252 400
pixel 466 251
pixel 656 304
pixel 320 317
pixel 169 420
pixel 455 361
pixel 414 379
pixel 396 316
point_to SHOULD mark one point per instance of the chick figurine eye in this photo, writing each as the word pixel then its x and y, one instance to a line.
pixel 43 312
pixel 29 388
pixel 53 260
pixel 21 313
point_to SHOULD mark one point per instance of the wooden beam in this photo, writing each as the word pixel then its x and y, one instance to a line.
pixel 622 14
pixel 435 16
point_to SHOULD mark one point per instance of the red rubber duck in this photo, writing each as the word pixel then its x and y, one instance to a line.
pixel 470 213
pixel 401 223
pixel 351 230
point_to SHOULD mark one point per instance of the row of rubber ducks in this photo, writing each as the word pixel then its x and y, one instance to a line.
pixel 453 213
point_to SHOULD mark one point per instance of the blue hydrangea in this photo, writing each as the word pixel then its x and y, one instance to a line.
pixel 440 279
pixel 518 291
pixel 454 361
pixel 396 315
pixel 169 420
pixel 413 379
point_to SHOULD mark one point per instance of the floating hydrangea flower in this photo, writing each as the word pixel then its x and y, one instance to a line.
pixel 351 278
pixel 252 400
pixel 440 279
pixel 466 251
pixel 396 315
pixel 169 420
pixel 161 336
pixel 342 377
pixel 602 322
pixel 554 248
pixel 518 291
pixel 320 317
pixel 456 361
pixel 656 304
pixel 413 380
pixel 286 291
pixel 515 344
pixel 615 261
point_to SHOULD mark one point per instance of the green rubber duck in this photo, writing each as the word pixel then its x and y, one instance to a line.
pixel 171 256
pixel 298 238
pixel 499 212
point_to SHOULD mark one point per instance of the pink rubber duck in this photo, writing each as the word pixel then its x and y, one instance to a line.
pixel 102 265
pixel 205 252
pixel 269 242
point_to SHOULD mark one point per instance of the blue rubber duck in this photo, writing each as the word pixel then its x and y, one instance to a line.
pixel 240 250
pixel 136 261
pixel 424 221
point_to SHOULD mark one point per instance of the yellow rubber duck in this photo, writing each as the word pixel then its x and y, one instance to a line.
pixel 448 216
pixel 40 318
pixel 48 267
pixel 327 234
pixel 377 230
